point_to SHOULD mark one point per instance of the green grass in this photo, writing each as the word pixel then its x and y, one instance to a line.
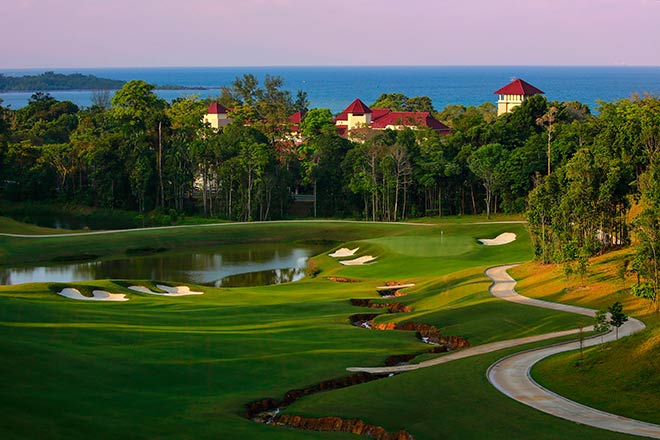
pixel 184 367
pixel 620 377
pixel 11 226
pixel 449 401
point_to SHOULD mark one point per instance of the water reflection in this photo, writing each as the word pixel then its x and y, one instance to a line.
pixel 244 265
pixel 262 278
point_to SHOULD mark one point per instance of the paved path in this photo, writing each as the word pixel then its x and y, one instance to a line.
pixel 510 375
pixel 208 225
pixel 156 228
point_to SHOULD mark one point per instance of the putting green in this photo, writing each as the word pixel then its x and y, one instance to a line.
pixel 436 244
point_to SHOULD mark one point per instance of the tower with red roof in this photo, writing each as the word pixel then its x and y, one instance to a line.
pixel 217 116
pixel 514 94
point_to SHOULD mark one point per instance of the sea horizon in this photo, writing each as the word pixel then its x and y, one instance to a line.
pixel 335 86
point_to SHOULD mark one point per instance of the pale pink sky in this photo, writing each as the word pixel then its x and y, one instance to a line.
pixel 104 33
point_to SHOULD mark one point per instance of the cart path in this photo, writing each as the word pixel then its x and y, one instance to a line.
pixel 511 375
pixel 210 225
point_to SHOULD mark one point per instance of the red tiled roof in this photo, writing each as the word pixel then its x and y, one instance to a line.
pixel 216 108
pixel 379 113
pixel 296 118
pixel 423 119
pixel 357 106
pixel 519 87
pixel 343 116
pixel 382 118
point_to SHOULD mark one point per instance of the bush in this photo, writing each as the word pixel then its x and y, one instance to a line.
pixel 312 269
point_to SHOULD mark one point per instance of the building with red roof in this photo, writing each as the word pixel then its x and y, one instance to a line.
pixel 217 116
pixel 514 94
pixel 358 115
pixel 296 120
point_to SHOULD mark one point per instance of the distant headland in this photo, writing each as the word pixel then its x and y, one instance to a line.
pixel 51 81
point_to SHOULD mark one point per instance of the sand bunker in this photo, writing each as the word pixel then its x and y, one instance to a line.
pixel 358 261
pixel 501 239
pixel 395 286
pixel 169 290
pixel 98 295
pixel 344 252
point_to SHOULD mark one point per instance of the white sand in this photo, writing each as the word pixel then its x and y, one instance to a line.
pixel 178 290
pixel 358 261
pixel 398 286
pixel 98 295
pixel 344 252
pixel 505 238
pixel 170 291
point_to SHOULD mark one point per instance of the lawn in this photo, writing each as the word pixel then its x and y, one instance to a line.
pixel 157 367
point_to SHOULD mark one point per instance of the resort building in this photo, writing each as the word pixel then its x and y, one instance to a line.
pixel 295 120
pixel 216 116
pixel 514 94
pixel 359 116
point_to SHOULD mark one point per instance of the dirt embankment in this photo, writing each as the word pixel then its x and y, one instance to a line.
pixel 391 307
pixel 269 404
pixel 425 332
pixel 338 424
pixel 268 411
pixel 342 280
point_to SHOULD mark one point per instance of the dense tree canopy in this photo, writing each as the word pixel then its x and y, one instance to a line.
pixel 143 153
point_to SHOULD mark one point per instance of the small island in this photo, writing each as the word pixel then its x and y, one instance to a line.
pixel 51 81
pixel 57 81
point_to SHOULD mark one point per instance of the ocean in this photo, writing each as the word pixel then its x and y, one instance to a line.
pixel 336 87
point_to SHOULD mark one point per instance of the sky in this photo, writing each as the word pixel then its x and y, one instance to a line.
pixel 145 33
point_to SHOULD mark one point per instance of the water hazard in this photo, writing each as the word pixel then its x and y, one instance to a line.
pixel 226 266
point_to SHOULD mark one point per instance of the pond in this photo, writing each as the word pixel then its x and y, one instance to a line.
pixel 226 266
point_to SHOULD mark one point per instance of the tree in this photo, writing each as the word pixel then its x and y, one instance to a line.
pixel 316 122
pixel 548 120
pixel 101 99
pixel 188 146
pixel 401 103
pixel 601 323
pixel 301 104
pixel 253 158
pixel 141 113
pixel 136 104
pixel 60 158
pixel 646 262
pixel 420 104
pixel 310 156
pixel 486 164
pixel 402 170
pixel 617 317
pixel 392 101
pixel 582 267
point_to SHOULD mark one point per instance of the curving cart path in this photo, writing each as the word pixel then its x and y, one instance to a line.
pixel 511 375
